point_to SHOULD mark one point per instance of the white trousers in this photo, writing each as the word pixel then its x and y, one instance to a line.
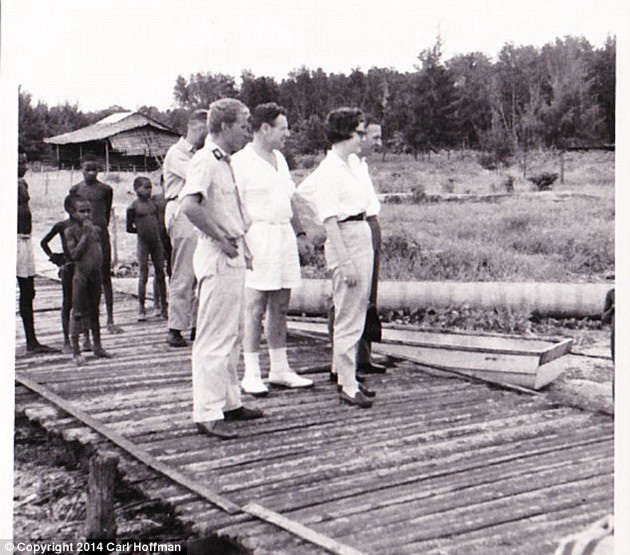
pixel 217 347
pixel 182 296
pixel 350 302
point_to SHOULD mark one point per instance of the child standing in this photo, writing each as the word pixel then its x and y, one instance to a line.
pixel 66 271
pixel 83 240
pixel 143 219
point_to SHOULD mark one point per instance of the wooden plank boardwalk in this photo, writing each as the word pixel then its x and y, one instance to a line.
pixel 438 465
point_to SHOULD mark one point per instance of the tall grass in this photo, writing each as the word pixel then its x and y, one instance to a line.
pixel 514 239
pixel 511 240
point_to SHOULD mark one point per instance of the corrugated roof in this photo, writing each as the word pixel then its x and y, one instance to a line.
pixel 102 130
pixel 113 118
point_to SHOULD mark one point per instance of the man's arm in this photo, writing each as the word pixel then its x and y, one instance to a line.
pixel 192 208
pixel 305 245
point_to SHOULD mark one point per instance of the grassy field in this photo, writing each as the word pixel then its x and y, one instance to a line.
pixel 515 238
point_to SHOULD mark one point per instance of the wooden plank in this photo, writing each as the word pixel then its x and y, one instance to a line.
pixel 298 529
pixel 447 339
pixel 137 452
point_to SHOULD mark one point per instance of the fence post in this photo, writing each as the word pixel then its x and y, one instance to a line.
pixel 562 166
pixel 115 236
pixel 100 518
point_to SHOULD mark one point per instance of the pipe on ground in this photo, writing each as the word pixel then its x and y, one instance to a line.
pixel 549 299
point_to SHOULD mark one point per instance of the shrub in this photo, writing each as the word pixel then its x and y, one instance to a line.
pixel 544 180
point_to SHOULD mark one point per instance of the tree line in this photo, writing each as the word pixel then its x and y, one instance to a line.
pixel 559 95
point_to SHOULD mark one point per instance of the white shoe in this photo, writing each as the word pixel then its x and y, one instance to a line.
pixel 289 379
pixel 254 386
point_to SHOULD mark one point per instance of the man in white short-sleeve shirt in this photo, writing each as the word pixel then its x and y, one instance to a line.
pixel 370 143
pixel 266 188
pixel 210 200
pixel 183 235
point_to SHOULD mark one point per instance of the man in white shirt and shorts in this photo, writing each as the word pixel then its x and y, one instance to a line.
pixel 274 239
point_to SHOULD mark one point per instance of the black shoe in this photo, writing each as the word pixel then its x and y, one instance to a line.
pixel 242 413
pixel 363 389
pixel 369 368
pixel 334 378
pixel 175 339
pixel 216 428
pixel 367 392
pixel 40 349
pixel 359 400
pixel 193 334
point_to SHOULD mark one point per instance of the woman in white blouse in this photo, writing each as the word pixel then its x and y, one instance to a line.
pixel 340 200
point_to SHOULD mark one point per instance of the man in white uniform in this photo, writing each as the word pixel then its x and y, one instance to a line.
pixel 183 235
pixel 266 188
pixel 211 202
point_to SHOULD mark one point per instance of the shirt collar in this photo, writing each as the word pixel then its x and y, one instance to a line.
pixel 186 145
pixel 211 147
pixel 334 159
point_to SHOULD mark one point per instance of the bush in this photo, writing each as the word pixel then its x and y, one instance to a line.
pixel 498 149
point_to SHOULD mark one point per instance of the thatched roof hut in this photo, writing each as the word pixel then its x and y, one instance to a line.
pixel 124 140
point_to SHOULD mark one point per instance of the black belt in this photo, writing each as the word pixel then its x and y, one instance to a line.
pixel 356 218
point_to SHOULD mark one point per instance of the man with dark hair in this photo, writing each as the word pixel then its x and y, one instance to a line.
pixel 266 188
pixel 100 196
pixel 25 270
pixel 371 142
pixel 183 235
pixel 211 202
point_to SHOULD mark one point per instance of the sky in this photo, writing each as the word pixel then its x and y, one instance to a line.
pixel 130 52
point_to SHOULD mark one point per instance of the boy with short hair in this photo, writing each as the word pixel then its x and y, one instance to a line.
pixel 100 196
pixel 66 271
pixel 83 240
pixel 143 219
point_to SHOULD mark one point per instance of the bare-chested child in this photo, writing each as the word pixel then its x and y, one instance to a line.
pixel 100 196
pixel 143 219
pixel 83 240
pixel 66 271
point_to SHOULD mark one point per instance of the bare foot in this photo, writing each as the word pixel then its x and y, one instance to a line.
pixel 99 352
pixel 67 349
pixel 113 328
pixel 40 349
pixel 79 360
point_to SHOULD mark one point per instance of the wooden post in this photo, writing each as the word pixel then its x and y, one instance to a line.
pixel 58 159
pixel 562 166
pixel 114 236
pixel 106 156
pixel 100 519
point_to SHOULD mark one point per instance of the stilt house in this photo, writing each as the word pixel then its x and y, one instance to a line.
pixel 121 141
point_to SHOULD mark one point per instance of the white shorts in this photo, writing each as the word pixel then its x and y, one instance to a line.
pixel 275 257
pixel 25 256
